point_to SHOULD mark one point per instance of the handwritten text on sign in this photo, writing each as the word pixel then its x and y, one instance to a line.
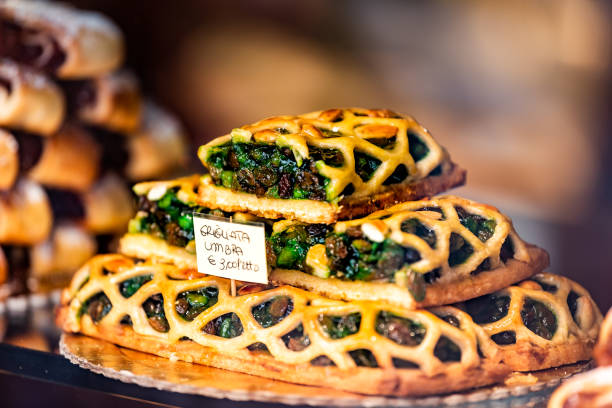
pixel 229 249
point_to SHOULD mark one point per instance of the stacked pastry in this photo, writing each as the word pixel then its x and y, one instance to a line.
pixel 592 389
pixel 375 288
pixel 72 126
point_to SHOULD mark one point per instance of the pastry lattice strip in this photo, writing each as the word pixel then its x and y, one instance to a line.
pixel 359 127
pixel 105 273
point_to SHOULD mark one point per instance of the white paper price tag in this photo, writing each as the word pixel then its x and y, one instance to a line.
pixel 230 249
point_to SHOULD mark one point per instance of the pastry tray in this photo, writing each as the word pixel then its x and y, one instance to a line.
pixel 30 350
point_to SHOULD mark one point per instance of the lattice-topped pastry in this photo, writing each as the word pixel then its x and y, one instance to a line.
pixel 283 333
pixel 162 228
pixel 324 166
pixel 59 39
pixel 543 322
pixel 415 254
pixel 28 100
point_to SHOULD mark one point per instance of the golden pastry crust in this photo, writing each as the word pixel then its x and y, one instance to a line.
pixel 25 214
pixel 108 206
pixel 28 100
pixel 117 103
pixel 438 293
pixel 444 217
pixel 104 273
pixel 592 389
pixel 9 160
pixel 576 330
pixel 145 246
pixel 158 147
pixel 352 130
pixel 68 247
pixel 603 349
pixel 92 45
pixel 70 160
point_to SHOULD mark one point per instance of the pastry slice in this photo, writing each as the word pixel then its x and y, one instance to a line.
pixel 281 333
pixel 546 321
pixel 158 147
pixel 162 228
pixel 54 261
pixel 59 39
pixel 415 254
pixel 104 209
pixel 25 214
pixel 69 159
pixel 28 100
pixel 324 166
pixel 112 101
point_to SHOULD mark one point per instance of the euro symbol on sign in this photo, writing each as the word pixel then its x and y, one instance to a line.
pixel 211 260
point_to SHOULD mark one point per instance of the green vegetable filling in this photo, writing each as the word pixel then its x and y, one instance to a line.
pixel 482 227
pixel 363 358
pixel 227 326
pixel 447 350
pixel 154 309
pixel 96 307
pixel 270 170
pixel 130 286
pixel 539 318
pixel 459 250
pixel 296 339
pixel 417 148
pixel 504 338
pixel 338 327
pixel 168 218
pixel 488 308
pixel 366 165
pixel 290 246
pixel 191 303
pixel 273 311
pixel 403 331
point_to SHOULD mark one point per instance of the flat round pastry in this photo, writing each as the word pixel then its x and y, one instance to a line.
pixel 70 160
pixel 158 147
pixel 108 206
pixel 324 166
pixel 415 254
pixel 282 333
pixel 112 101
pixel 53 261
pixel 592 389
pixel 28 100
pixel 546 321
pixel 9 160
pixel 25 214
pixel 59 39
pixel 603 349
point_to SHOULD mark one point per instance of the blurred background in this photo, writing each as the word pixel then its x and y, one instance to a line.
pixel 519 92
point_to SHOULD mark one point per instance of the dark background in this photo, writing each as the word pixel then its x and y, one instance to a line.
pixel 519 92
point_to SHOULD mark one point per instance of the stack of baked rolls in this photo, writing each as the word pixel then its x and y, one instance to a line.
pixel 73 130
pixel 377 284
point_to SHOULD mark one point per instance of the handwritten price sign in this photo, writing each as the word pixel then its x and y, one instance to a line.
pixel 229 249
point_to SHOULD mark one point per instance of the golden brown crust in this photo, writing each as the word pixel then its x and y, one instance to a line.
pixel 103 273
pixel 30 102
pixel 592 389
pixel 144 246
pixel 9 160
pixel 68 247
pixel 451 176
pixel 603 349
pixel 575 332
pixel 25 214
pixel 92 44
pixel 70 160
pixel 436 294
pixel 358 379
pixel 117 105
pixel 158 147
pixel 108 206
